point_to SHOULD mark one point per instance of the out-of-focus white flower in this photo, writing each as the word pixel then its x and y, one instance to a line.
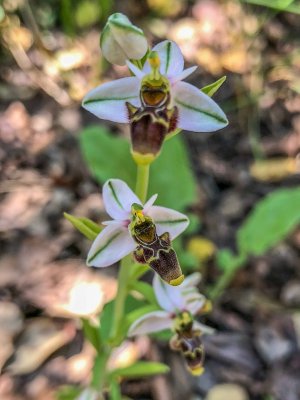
pixel 121 40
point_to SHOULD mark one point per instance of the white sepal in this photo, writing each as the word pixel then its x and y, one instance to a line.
pixel 197 111
pixel 108 101
pixel 118 199
pixel 154 321
pixel 112 244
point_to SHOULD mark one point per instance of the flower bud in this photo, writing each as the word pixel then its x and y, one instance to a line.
pixel 121 40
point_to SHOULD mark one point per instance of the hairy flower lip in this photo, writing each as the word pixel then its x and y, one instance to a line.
pixel 196 111
pixel 114 241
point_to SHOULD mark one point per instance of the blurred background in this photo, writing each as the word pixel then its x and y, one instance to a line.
pixel 249 257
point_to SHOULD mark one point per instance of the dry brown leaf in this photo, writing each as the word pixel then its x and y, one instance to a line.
pixel 274 169
pixel 41 338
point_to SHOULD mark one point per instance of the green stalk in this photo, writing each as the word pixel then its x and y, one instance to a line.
pixel 99 376
pixel 123 281
pixel 142 181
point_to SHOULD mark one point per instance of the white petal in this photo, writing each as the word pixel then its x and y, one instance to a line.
pixel 150 202
pixel 107 101
pixel 203 328
pixel 197 111
pixel 112 244
pixel 118 199
pixel 153 322
pixel 191 280
pixel 169 297
pixel 184 74
pixel 167 220
pixel 171 59
pixel 111 50
pixel 137 72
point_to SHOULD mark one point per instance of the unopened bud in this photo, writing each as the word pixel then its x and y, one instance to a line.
pixel 121 40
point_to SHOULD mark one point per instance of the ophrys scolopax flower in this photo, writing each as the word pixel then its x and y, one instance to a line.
pixel 136 227
pixel 179 306
pixel 157 98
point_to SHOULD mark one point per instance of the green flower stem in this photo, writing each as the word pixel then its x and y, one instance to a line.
pixel 142 181
pixel 123 281
pixel 99 375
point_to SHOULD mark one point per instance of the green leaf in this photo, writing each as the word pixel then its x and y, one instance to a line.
pixel 272 219
pixel 115 391
pixel 141 369
pixel 114 161
pixel 138 270
pixel 212 88
pixel 145 289
pixel 68 393
pixel 106 320
pixel 279 5
pixel 227 261
pixel 107 156
pixel 86 226
pixel 91 333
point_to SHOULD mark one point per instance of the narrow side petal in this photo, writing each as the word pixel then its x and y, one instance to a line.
pixel 153 322
pixel 118 199
pixel 197 112
pixel 167 220
pixel 169 297
pixel 171 59
pixel 107 101
pixel 150 202
pixel 135 70
pixel 184 74
pixel 112 244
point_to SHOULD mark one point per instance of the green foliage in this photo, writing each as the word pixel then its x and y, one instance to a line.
pixel 91 333
pixel 212 88
pixel 141 369
pixel 227 261
pixel 87 13
pixel 272 219
pixel 279 5
pixel 68 393
pixel 86 226
pixel 108 156
pixel 115 391
pixel 106 320
pixel 145 289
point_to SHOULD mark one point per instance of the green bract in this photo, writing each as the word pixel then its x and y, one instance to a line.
pixel 121 40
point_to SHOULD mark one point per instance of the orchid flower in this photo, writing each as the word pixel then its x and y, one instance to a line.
pixel 179 307
pixel 115 241
pixel 195 111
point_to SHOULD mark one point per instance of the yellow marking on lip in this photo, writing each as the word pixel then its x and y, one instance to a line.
pixel 177 281
pixel 197 371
